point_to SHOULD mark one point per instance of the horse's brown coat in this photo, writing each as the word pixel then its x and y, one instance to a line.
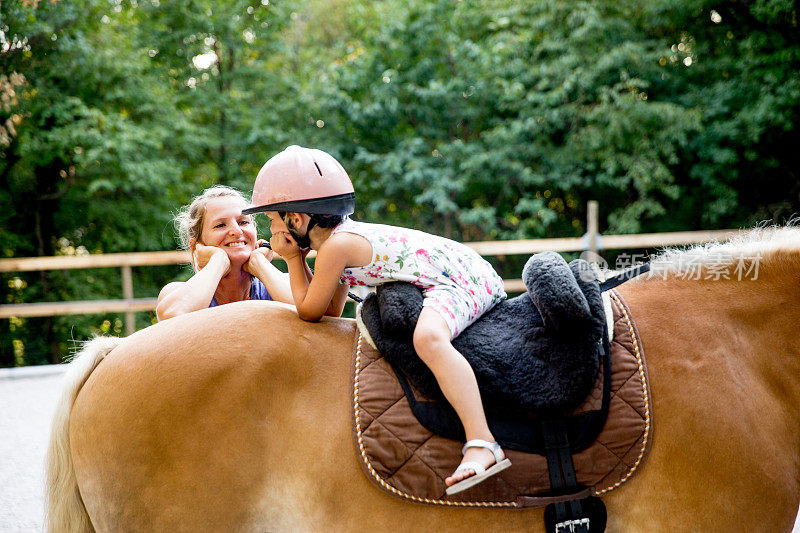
pixel 408 461
pixel 237 418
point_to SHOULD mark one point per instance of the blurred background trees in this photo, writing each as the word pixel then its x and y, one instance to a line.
pixel 476 120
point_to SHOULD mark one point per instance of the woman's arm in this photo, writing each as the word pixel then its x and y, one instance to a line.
pixel 276 282
pixel 179 298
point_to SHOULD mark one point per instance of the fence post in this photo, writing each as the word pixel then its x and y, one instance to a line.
pixel 127 293
pixel 592 225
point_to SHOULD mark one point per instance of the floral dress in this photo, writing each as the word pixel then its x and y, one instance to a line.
pixel 456 282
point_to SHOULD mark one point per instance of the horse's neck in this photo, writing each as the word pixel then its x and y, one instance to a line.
pixel 766 311
pixel 728 327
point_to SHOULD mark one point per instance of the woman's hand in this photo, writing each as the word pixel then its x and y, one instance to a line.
pixel 285 246
pixel 211 264
pixel 256 256
pixel 203 254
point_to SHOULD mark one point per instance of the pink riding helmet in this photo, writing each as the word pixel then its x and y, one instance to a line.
pixel 303 180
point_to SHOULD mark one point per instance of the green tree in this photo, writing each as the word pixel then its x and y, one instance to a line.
pixel 93 156
pixel 737 64
pixel 224 62
pixel 507 118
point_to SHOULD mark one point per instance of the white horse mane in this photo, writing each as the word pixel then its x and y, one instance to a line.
pixel 738 258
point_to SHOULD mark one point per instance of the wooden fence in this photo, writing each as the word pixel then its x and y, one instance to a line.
pixel 592 241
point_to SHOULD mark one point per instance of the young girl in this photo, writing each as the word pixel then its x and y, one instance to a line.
pixel 228 265
pixel 307 196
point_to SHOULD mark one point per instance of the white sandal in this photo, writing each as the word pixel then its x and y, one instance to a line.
pixel 481 473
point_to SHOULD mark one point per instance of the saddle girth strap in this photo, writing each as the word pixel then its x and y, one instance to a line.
pixel 561 469
pixel 580 513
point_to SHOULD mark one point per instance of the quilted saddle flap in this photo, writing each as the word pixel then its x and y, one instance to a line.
pixel 408 461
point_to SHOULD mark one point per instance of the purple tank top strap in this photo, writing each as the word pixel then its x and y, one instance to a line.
pixel 257 292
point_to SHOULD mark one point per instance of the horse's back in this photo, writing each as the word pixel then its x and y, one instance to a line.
pixel 178 418
pixel 239 418
pixel 723 454
pixel 180 429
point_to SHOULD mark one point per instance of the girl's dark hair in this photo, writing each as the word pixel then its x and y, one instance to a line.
pixel 323 221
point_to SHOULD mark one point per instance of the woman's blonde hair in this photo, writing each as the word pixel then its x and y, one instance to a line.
pixel 189 220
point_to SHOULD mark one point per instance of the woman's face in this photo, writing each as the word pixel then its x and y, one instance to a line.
pixel 225 226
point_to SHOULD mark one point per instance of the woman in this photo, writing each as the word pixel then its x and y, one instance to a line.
pixel 229 265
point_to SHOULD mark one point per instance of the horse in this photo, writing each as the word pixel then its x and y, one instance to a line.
pixel 238 417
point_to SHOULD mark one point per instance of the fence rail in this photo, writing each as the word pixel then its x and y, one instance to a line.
pixel 125 261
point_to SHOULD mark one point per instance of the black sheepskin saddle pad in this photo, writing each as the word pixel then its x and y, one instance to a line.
pixel 533 355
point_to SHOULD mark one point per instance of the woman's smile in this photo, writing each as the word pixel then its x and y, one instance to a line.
pixel 226 227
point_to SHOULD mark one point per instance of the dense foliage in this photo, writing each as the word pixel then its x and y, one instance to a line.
pixel 476 120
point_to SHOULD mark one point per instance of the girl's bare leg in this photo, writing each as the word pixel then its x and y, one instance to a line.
pixel 457 381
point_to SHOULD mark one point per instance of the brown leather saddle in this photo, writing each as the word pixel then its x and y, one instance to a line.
pixel 407 460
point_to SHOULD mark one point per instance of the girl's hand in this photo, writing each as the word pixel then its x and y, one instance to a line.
pixel 203 254
pixel 255 257
pixel 284 245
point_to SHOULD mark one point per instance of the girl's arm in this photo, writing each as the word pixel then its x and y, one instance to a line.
pixel 179 298
pixel 337 302
pixel 322 294
pixel 308 271
pixel 340 296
